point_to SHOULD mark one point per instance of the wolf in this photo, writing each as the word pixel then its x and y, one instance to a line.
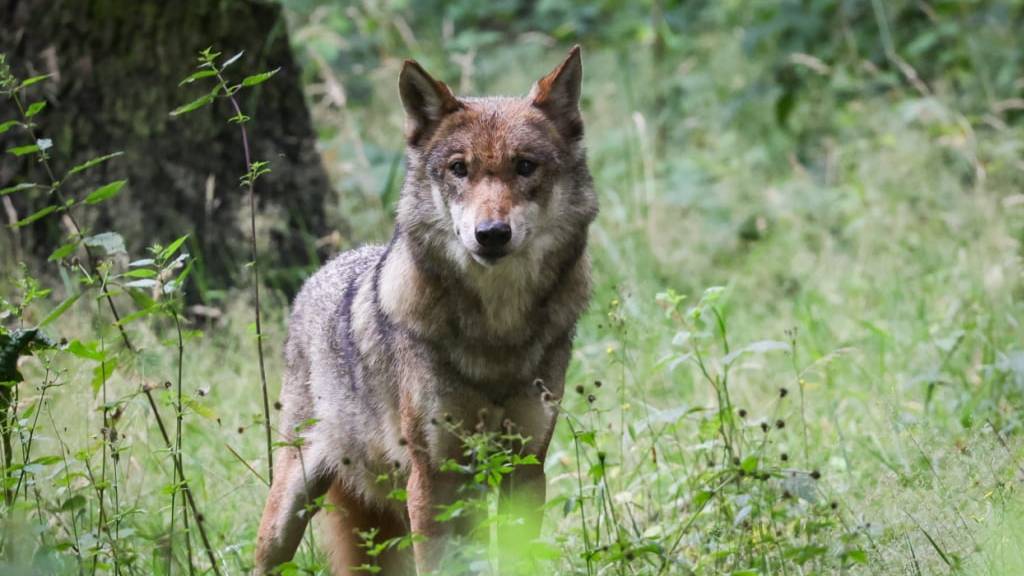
pixel 467 315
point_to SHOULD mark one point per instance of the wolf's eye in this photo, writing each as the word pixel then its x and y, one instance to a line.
pixel 459 168
pixel 525 167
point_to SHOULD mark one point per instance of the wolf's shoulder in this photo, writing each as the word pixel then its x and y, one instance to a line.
pixel 323 291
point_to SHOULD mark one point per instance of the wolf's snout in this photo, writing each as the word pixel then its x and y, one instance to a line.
pixel 493 234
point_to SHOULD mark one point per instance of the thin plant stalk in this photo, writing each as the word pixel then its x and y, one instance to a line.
pixel 250 190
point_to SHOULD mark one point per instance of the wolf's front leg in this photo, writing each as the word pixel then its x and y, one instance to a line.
pixel 288 508
pixel 428 489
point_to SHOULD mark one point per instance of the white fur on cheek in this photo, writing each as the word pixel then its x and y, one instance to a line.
pixel 451 215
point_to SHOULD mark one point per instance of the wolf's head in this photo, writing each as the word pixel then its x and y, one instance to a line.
pixel 491 181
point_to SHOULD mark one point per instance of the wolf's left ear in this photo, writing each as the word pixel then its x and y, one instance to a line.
pixel 558 95
pixel 426 101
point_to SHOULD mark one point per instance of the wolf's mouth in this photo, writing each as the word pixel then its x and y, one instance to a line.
pixel 489 257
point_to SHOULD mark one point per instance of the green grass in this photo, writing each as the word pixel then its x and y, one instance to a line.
pixel 872 269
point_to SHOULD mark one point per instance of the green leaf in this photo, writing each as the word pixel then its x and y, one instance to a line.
pixel 110 242
pixel 193 105
pixel 105 192
pixel 197 76
pixel 749 464
pixel 5 126
pixel 23 150
pixel 35 108
pixel 90 163
pixel 147 311
pixel 85 350
pixel 102 373
pixel 172 247
pixel 33 80
pixel 140 273
pixel 587 437
pixel 74 503
pixel 19 187
pixel 35 216
pixel 60 309
pixel 200 409
pixel 63 252
pixel 259 78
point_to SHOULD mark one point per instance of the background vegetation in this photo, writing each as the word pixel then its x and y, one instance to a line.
pixel 804 351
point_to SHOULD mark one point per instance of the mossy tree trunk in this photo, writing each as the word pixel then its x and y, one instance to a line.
pixel 115 68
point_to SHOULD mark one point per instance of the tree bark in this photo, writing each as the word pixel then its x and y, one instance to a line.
pixel 116 65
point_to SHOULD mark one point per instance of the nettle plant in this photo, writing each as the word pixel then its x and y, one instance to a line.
pixel 66 510
pixel 702 489
pixel 213 71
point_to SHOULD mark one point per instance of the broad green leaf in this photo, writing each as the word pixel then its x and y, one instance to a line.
pixel 19 187
pixel 63 252
pixel 749 464
pixel 193 105
pixel 35 216
pixel 35 108
pixel 93 162
pixel 74 503
pixel 60 309
pixel 23 150
pixel 259 78
pixel 105 192
pixel 5 126
pixel 110 242
pixel 197 76
pixel 33 80
pixel 140 273
pixel 88 351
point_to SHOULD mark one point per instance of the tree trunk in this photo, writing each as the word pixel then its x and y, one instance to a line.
pixel 116 65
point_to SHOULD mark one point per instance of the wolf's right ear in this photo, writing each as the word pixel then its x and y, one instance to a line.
pixel 426 101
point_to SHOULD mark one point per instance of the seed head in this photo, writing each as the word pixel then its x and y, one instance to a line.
pixel 345 460
pixel 764 427
pixel 783 392
pixel 784 457
pixel 833 505
pixel 815 474
pixel 743 412
pixel 241 429
pixel 591 398
pixel 598 384
pixel 579 389
pixel 277 405
pixel 780 424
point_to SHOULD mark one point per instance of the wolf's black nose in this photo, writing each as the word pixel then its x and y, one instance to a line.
pixel 493 233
